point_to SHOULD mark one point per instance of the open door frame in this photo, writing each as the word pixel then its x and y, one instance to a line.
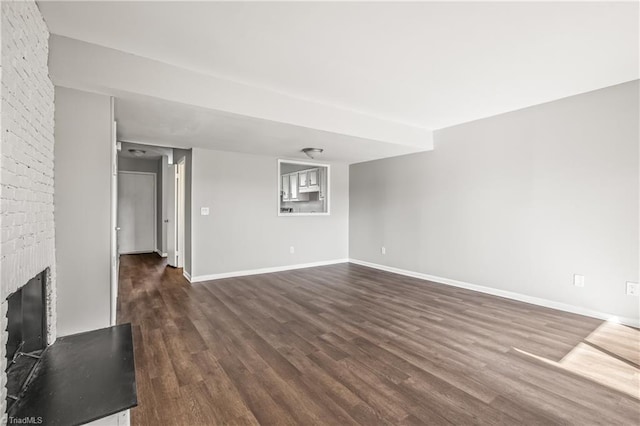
pixel 181 187
pixel 115 258
pixel 172 213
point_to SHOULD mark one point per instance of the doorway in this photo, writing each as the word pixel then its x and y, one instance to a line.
pixel 137 214
pixel 174 222
pixel 151 203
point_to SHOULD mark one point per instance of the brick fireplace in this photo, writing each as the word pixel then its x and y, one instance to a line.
pixel 27 245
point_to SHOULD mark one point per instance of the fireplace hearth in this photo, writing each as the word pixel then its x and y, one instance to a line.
pixel 75 379
pixel 26 327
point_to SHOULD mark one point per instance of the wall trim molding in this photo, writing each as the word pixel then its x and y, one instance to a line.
pixel 200 278
pixel 439 280
pixel 138 252
pixel 634 322
pixel 161 254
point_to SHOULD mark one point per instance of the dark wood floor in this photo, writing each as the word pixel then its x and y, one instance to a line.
pixel 346 344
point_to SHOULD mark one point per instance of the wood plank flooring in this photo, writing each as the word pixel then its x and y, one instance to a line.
pixel 347 345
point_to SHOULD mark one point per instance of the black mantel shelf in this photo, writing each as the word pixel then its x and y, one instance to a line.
pixel 81 378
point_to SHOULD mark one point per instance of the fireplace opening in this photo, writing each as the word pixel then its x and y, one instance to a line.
pixel 26 327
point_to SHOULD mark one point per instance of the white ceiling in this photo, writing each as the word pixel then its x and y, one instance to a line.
pixel 158 122
pixel 429 65
pixel 150 152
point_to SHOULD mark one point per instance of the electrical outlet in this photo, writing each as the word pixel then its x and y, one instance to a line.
pixel 292 250
pixel 383 250
pixel 204 211
pixel 633 289
pixel 578 280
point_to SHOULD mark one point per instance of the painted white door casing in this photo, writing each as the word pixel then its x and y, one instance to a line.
pixel 171 219
pixel 163 242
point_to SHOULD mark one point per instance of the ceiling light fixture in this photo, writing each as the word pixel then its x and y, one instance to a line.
pixel 137 152
pixel 312 152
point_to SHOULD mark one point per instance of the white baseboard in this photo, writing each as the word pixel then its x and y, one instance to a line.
pixel 161 254
pixel 186 275
pixel 201 278
pixel 634 322
pixel 138 252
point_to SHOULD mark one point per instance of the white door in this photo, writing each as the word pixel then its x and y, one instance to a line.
pixel 137 212
pixel 172 229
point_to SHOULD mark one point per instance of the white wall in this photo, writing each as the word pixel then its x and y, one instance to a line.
pixel 517 202
pixel 27 245
pixel 244 231
pixel 83 209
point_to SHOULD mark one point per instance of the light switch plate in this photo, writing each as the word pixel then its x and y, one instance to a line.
pixel 204 211
pixel 578 280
